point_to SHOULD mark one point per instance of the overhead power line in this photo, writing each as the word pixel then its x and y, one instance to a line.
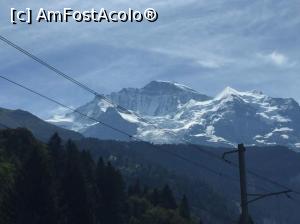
pixel 220 174
pixel 62 74
pixel 47 65
pixel 3 125
pixel 65 106
pixel 258 176
pixel 85 87
pixel 97 94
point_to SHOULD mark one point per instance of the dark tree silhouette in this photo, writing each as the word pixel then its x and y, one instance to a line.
pixel 34 195
pixel 167 199
pixel 184 209
pixel 56 183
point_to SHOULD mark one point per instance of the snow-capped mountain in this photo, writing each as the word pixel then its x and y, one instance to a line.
pixel 178 114
pixel 158 98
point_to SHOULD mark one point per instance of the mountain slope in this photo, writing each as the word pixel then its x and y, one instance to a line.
pixel 249 117
pixel 274 162
pixel 184 114
pixel 158 98
pixel 40 129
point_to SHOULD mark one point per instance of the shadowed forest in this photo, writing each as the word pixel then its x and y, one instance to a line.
pixel 57 183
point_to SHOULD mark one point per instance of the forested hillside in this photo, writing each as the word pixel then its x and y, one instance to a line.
pixel 57 183
pixel 215 198
pixel 92 181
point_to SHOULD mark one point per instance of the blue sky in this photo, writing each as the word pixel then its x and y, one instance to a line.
pixel 205 44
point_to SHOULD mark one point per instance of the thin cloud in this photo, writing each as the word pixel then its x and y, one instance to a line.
pixel 277 59
pixel 209 64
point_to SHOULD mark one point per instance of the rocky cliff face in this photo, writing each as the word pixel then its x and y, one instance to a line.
pixel 158 98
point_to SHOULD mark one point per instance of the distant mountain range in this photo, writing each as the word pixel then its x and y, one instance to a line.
pixel 183 114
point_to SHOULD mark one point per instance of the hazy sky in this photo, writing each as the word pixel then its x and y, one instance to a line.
pixel 205 44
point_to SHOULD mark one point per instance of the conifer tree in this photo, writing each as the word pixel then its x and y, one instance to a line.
pixel 7 192
pixel 89 172
pixel 99 178
pixel 155 197
pixel 56 152
pixel 137 188
pixel 55 144
pixel 34 193
pixel 184 209
pixel 74 188
pixel 113 196
pixel 167 198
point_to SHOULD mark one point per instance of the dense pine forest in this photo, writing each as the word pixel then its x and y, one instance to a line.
pixel 57 183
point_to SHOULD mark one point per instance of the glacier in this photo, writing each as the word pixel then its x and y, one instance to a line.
pixel 167 112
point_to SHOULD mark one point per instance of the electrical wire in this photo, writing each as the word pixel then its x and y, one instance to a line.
pixel 220 174
pixel 85 87
pixel 95 93
pixel 3 125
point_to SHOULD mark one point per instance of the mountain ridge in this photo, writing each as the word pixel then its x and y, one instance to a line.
pixel 183 114
pixel 40 129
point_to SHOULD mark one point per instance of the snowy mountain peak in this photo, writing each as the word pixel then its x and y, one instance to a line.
pixel 182 113
pixel 228 91
pixel 156 98
pixel 166 87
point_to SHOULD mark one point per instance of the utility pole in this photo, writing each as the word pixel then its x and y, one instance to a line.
pixel 245 219
pixel 243 184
